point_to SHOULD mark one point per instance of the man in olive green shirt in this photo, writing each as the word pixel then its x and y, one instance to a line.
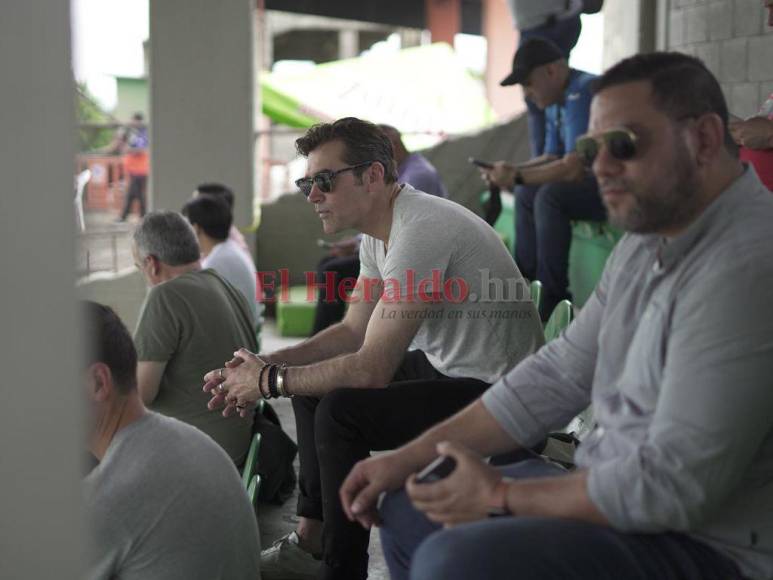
pixel 191 321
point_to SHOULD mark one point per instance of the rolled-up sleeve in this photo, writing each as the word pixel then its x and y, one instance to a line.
pixel 714 409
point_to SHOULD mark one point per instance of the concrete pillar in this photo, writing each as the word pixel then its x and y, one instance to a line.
pixel 42 446
pixel 202 100
pixel 348 43
pixel 501 38
pixel 444 19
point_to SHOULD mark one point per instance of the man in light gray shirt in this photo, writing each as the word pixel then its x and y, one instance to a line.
pixel 165 501
pixel 675 352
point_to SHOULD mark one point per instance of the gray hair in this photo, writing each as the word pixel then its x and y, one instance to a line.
pixel 168 236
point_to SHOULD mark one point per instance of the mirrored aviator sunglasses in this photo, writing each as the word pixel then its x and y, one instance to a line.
pixel 324 181
pixel 620 142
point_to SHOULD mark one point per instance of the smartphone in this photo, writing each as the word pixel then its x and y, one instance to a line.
pixel 479 163
pixel 325 244
pixel 439 469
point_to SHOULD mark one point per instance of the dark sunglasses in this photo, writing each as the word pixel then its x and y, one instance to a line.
pixel 324 179
pixel 620 142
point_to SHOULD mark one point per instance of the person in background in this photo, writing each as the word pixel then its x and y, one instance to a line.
pixel 555 188
pixel 211 219
pixel 220 190
pixel 190 321
pixel 132 142
pixel 755 135
pixel 554 20
pixel 165 502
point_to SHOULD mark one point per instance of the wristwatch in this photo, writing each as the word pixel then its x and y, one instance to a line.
pixel 498 506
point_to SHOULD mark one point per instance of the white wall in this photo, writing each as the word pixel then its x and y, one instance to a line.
pixel 41 447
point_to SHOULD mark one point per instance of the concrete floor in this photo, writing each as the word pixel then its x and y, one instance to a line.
pixel 276 521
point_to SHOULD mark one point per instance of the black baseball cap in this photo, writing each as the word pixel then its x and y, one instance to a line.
pixel 531 54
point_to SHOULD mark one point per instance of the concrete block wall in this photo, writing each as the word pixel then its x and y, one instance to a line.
pixel 733 39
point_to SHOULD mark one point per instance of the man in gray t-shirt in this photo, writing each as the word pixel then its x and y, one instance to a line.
pixel 439 312
pixel 165 502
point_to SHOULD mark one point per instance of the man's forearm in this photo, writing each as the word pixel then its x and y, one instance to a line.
pixel 537 161
pixel 557 170
pixel 344 371
pixel 335 340
pixel 555 497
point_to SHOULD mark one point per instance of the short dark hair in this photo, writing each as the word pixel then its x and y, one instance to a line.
pixel 138 116
pixel 682 86
pixel 109 342
pixel 211 214
pixel 363 141
pixel 219 190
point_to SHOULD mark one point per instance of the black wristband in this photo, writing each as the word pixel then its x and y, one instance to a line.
pixel 263 369
pixel 518 179
pixel 272 372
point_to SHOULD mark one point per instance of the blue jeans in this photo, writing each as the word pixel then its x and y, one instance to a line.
pixel 543 232
pixel 565 34
pixel 528 548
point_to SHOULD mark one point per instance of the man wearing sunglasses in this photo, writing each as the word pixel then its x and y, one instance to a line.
pixel 673 350
pixel 410 351
pixel 554 188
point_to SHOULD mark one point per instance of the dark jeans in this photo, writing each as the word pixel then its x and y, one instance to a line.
pixel 531 548
pixel 543 233
pixel 136 190
pixel 565 34
pixel 330 307
pixel 343 427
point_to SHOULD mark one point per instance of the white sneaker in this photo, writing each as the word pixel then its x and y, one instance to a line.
pixel 286 560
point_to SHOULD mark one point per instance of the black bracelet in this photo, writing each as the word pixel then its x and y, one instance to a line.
pixel 260 381
pixel 518 179
pixel 272 381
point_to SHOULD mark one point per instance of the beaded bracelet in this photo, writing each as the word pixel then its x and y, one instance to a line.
pixel 272 372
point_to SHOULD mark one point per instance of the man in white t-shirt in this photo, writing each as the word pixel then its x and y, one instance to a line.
pixel 439 312
pixel 165 501
pixel 211 219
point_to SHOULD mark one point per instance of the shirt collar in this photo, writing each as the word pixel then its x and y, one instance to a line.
pixel 669 252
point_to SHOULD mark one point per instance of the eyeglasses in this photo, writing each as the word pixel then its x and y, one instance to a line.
pixel 620 142
pixel 324 179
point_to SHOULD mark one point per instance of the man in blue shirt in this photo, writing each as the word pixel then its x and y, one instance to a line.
pixel 555 187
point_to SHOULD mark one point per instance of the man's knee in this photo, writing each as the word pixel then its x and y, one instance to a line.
pixel 552 197
pixel 336 412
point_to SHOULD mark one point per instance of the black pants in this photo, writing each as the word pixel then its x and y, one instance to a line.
pixel 331 307
pixel 136 190
pixel 543 233
pixel 344 426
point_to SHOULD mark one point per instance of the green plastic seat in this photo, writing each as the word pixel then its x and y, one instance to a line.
pixel 535 289
pixel 253 490
pixel 295 317
pixel 251 463
pixel 560 318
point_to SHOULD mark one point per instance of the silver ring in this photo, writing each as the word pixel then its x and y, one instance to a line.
pixel 220 387
pixel 220 372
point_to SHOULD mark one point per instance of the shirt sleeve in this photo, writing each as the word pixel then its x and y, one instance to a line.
pixel 158 332
pixel 548 389
pixel 714 408
pixel 577 117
